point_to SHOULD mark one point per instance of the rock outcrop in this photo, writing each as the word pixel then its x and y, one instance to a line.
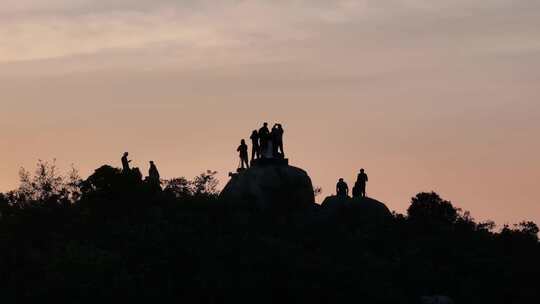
pixel 361 206
pixel 271 185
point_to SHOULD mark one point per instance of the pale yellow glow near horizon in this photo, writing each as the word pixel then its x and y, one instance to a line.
pixel 426 95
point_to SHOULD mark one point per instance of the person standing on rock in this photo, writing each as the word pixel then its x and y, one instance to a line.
pixel 243 150
pixel 361 183
pixel 255 147
pixel 153 175
pixel 342 189
pixel 264 138
pixel 277 141
pixel 125 163
pixel 273 136
pixel 280 140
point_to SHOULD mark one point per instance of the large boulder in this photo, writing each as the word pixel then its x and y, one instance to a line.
pixel 371 207
pixel 359 206
pixel 270 186
pixel 335 202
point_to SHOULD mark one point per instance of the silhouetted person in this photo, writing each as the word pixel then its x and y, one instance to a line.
pixel 342 189
pixel 264 138
pixel 361 183
pixel 125 163
pixel 153 174
pixel 255 147
pixel 273 136
pixel 243 149
pixel 277 141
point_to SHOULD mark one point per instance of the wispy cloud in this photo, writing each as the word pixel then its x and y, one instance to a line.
pixel 40 29
pixel 231 30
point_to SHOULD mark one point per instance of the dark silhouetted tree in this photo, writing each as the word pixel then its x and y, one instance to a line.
pixel 105 179
pixel 524 230
pixel 430 207
pixel 206 183
pixel 5 206
pixel 178 187
pixel 46 185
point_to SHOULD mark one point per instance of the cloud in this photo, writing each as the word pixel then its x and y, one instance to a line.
pixel 48 37
pixel 44 29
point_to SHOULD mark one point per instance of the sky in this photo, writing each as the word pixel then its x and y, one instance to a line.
pixel 426 95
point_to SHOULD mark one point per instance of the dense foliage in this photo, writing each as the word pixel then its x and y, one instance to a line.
pixel 113 235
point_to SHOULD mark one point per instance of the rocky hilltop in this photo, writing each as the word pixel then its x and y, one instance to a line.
pixel 362 206
pixel 270 183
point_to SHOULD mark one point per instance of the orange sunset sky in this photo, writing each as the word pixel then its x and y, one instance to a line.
pixel 424 94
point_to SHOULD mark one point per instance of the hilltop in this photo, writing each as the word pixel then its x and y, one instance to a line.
pixel 115 235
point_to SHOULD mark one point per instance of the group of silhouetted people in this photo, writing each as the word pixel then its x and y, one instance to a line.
pixel 265 144
pixel 153 178
pixel 359 189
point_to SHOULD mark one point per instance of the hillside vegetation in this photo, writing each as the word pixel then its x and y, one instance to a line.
pixel 112 235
